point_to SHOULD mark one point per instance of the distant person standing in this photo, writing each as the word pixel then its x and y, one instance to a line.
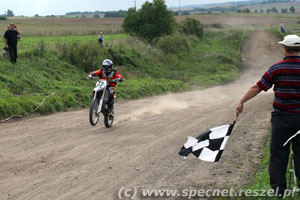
pixel 282 27
pixel 11 37
pixel 101 39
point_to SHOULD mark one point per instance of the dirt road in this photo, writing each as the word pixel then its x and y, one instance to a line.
pixel 62 157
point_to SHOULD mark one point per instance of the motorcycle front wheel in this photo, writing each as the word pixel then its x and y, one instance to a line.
pixel 94 116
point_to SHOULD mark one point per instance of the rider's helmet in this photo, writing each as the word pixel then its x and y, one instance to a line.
pixel 107 66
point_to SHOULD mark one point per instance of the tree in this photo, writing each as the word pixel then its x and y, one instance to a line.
pixel 246 10
pixel 284 10
pixel 96 16
pixel 36 15
pixel 2 17
pixel 9 13
pixel 115 14
pixel 151 21
pixel 185 13
pixel 274 10
pixel 261 11
pixel 292 9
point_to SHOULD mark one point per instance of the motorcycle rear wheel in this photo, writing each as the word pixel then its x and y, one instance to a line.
pixel 93 115
pixel 108 120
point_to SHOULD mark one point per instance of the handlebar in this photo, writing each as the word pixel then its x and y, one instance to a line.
pixel 109 81
pixel 114 80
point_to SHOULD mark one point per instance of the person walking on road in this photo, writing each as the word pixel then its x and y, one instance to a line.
pixel 285 76
pixel 10 39
pixel 282 27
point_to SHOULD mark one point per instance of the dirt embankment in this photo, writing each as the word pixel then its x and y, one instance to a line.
pixel 61 156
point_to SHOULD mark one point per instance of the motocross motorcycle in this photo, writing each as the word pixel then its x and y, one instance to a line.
pixel 99 104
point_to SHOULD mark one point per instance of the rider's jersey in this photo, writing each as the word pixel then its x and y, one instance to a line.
pixel 112 75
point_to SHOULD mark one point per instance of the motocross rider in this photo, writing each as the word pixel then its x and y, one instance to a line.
pixel 108 73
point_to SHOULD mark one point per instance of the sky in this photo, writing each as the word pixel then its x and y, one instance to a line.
pixel 60 7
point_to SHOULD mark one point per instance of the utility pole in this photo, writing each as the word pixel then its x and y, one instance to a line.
pixel 179 6
pixel 135 4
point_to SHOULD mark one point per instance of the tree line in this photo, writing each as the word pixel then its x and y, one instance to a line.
pixel 107 14
pixel 271 10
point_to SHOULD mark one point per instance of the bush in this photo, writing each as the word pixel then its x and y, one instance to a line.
pixel 3 18
pixel 191 27
pixel 217 25
pixel 151 21
pixel 84 55
pixel 173 43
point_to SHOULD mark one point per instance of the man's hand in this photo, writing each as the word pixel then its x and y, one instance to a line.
pixel 6 46
pixel 90 76
pixel 239 109
pixel 252 92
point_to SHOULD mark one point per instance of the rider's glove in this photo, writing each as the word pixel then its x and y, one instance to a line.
pixel 90 76
pixel 118 80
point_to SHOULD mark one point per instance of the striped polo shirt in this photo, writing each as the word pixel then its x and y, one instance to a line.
pixel 285 76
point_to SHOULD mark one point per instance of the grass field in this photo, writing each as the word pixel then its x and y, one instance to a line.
pixel 28 43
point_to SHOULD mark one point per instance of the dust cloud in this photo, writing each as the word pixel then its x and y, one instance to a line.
pixel 156 107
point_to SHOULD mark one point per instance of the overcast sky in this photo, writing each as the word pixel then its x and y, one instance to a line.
pixel 60 7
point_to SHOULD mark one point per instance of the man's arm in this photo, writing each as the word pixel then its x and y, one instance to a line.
pixel 252 92
pixel 5 42
pixel 19 32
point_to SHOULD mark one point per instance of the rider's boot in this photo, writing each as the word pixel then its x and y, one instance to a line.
pixel 111 107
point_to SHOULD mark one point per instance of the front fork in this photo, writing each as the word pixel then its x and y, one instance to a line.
pixel 100 102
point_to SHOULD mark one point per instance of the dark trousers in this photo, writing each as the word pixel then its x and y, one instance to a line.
pixel 13 54
pixel 283 127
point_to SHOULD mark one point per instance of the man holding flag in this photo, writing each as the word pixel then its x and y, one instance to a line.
pixel 285 76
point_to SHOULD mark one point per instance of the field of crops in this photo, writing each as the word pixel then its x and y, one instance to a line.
pixel 54 26
pixel 64 26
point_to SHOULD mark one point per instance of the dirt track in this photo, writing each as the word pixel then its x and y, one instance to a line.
pixel 62 157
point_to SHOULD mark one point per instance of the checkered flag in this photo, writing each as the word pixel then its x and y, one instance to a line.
pixel 210 145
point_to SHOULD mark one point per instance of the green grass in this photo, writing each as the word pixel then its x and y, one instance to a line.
pixel 29 43
pixel 50 67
